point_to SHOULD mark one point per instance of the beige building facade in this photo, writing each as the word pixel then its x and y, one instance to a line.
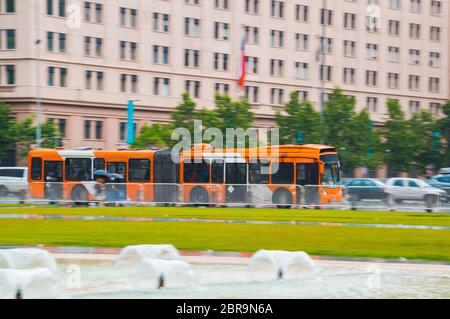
pixel 85 59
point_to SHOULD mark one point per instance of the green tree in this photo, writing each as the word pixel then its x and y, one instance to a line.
pixel 21 135
pixel 300 124
pixel 444 128
pixel 423 129
pixel 7 128
pixel 185 114
pixel 364 143
pixel 337 131
pixel 228 114
pixel 398 143
pixel 157 135
pixel 352 133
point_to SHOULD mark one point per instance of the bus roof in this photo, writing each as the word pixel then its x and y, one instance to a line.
pixel 89 153
pixel 309 150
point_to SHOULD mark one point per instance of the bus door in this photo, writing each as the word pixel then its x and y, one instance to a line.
pixel 236 182
pixel 36 179
pixel 115 192
pixel 139 188
pixel 259 191
pixel 307 183
pixel 53 178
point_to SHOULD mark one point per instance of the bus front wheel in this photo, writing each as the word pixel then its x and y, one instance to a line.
pixel 282 198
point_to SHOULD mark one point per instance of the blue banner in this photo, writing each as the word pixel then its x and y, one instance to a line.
pixel 130 125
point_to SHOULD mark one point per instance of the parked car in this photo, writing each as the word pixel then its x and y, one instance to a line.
pixel 441 182
pixel 412 189
pixel 445 171
pixel 13 180
pixel 367 189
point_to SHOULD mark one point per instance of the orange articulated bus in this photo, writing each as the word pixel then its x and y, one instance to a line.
pixel 71 172
pixel 279 175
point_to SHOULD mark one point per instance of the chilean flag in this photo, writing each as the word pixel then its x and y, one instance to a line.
pixel 241 80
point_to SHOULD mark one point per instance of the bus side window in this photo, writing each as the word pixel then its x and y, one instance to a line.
pixel 259 172
pixel 218 171
pixel 36 169
pixel 307 174
pixel 78 169
pixel 284 175
pixel 99 164
pixel 196 172
pixel 139 170
pixel 118 168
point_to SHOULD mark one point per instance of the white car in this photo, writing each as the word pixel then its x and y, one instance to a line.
pixel 13 180
pixel 412 189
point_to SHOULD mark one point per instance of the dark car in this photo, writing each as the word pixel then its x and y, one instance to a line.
pixel 441 182
pixel 367 189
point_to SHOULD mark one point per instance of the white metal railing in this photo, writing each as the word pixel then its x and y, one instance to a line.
pixel 253 195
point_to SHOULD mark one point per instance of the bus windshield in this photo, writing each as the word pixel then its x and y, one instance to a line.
pixel 332 174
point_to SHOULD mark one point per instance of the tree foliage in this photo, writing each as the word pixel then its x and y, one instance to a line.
pixel 21 135
pixel 300 124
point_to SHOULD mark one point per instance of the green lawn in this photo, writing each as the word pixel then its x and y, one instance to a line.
pixel 316 240
pixel 249 214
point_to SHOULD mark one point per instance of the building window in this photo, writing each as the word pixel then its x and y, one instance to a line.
pixel 7 6
pixel 221 31
pixel 276 39
pixel 251 35
pixel 393 80
pixel 326 17
pixel 251 6
pixel 326 73
pixel 161 22
pixel 394 54
pixel 128 50
pixel 161 86
pixel 276 96
pixel 160 55
pixel 301 41
pixel 191 58
pixel 61 8
pixel 53 73
pixel 192 27
pixel 252 94
pixel 414 82
pixel 301 70
pixel 349 75
pixel 8 39
pixel 7 74
pixel 90 76
pixel 277 9
pixel 129 83
pixel 221 61
pixel 414 107
pixel 252 64
pixel 222 88
pixel 371 78
pixel 301 13
pixel 372 104
pixel 89 15
pixel 128 17
pixel 193 88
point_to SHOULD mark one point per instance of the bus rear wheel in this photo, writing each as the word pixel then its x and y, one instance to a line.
pixel 282 198
pixel 199 196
